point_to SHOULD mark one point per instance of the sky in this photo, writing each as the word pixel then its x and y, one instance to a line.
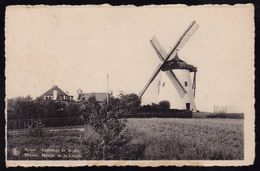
pixel 75 47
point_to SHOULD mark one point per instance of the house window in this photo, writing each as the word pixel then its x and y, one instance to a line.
pixel 186 84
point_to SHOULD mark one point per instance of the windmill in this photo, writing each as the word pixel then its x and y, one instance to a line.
pixel 171 64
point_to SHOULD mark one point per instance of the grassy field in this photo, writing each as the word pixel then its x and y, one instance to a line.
pixel 163 139
pixel 191 139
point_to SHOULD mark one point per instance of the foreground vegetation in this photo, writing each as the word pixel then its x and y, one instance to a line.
pixel 147 139
pixel 189 139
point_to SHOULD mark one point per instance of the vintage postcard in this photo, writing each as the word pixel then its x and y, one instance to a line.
pixel 166 85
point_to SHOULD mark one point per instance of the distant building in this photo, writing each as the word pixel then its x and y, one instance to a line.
pixel 55 93
pixel 100 97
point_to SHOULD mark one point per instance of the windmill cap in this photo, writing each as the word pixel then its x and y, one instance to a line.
pixel 177 63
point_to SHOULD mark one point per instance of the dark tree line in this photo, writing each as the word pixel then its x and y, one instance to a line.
pixel 162 106
pixel 27 108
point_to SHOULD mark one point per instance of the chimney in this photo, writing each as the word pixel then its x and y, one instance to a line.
pixel 55 94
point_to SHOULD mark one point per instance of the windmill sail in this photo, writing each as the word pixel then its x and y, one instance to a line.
pixel 162 55
pixel 181 91
pixel 158 48
pixel 193 26
pixel 157 70
pixel 185 37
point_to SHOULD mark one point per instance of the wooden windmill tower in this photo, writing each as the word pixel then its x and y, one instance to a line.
pixel 177 70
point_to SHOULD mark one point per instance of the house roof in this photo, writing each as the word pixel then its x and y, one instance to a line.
pixel 50 92
pixel 100 97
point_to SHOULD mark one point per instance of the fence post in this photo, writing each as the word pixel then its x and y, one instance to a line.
pixel 104 151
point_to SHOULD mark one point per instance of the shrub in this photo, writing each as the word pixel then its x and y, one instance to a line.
pixel 154 107
pixel 131 102
pixel 107 121
pixel 36 129
pixel 118 149
pixel 162 110
pixel 161 114
pixel 164 105
pixel 227 115
pixel 92 150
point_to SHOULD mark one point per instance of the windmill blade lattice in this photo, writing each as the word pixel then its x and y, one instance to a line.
pixel 162 55
pixel 190 30
pixel 186 36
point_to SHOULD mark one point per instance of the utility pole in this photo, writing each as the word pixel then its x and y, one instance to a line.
pixel 104 142
pixel 107 90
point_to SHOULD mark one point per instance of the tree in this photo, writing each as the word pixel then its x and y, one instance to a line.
pixel 154 107
pixel 105 120
pixel 20 106
pixel 131 102
pixel 164 105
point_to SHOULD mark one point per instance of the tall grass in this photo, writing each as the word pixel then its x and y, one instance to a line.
pixel 189 139
pixel 162 139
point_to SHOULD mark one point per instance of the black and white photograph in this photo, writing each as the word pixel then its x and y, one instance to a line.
pixel 155 85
